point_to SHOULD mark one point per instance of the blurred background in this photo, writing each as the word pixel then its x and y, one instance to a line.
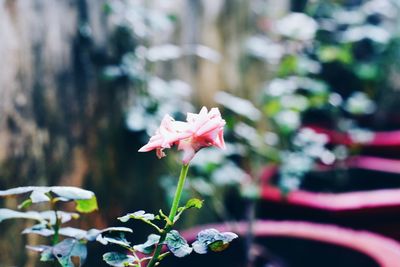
pixel 310 91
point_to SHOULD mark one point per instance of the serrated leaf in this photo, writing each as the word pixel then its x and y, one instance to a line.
pixel 138 215
pixel 86 205
pixel 149 246
pixel 6 214
pixel 68 248
pixel 118 259
pixel 212 239
pixel 177 244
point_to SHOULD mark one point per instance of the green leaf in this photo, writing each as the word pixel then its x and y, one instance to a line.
pixel 79 234
pixel 18 190
pixel 149 246
pixel 44 217
pixel 72 193
pixel 67 192
pixel 212 239
pixel 39 195
pixel 272 107
pixel 367 71
pixel 218 246
pixel 6 214
pixel 118 259
pixel 335 53
pixel 95 234
pixel 68 248
pixel 86 205
pixel 26 204
pixel 73 232
pixel 194 203
pixel 177 244
pixel 288 65
pixel 138 215
pixel 85 200
pixel 63 216
pixel 117 229
pixel 46 253
pixel 39 248
pixel 121 241
pixel 39 229
pixel 63 252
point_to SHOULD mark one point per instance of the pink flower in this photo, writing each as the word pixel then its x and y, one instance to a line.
pixel 169 133
pixel 206 129
pixel 201 130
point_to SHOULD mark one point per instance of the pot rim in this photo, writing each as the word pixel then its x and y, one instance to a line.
pixel 338 201
pixel 387 139
pixel 334 201
pixel 383 250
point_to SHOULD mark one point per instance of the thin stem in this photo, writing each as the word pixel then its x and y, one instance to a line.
pixel 178 192
pixel 171 217
pixel 152 224
pixel 136 256
pixel 56 226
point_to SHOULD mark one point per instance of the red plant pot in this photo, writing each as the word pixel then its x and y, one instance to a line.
pixel 297 244
pixel 373 207
pixel 383 143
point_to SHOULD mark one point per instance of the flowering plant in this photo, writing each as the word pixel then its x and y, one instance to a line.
pixel 200 130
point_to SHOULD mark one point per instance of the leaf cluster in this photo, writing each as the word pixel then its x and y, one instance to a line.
pixel 166 237
pixel 50 222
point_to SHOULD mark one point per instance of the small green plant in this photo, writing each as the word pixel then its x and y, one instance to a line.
pixel 51 222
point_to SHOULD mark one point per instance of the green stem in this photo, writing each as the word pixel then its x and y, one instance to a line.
pixel 178 192
pixel 56 226
pixel 172 213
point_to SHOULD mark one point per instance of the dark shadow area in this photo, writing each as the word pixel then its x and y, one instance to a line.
pixel 280 252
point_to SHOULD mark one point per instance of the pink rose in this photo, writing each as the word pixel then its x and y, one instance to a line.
pixel 206 129
pixel 169 133
pixel 201 130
